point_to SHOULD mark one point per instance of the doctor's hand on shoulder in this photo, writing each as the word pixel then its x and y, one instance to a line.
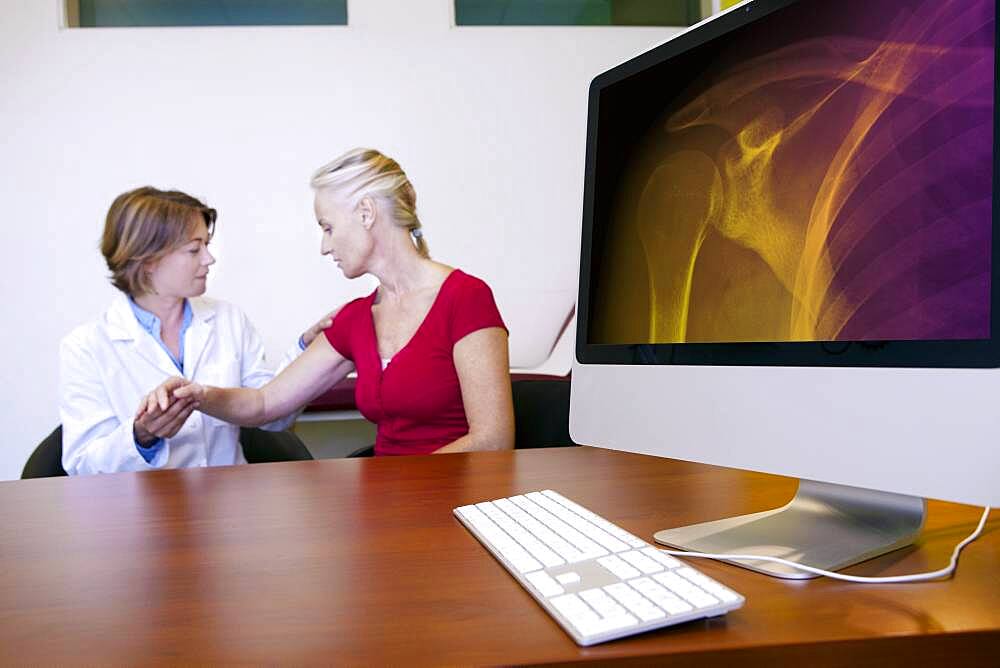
pixel 161 414
pixel 314 331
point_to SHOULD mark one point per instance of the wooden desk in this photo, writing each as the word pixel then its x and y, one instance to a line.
pixel 362 562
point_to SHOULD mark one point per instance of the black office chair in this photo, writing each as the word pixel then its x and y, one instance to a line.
pixel 541 415
pixel 46 460
pixel 259 446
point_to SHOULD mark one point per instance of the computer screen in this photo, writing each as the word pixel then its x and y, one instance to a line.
pixel 788 247
pixel 816 176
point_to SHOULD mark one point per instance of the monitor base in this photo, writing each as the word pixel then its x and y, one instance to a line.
pixel 825 526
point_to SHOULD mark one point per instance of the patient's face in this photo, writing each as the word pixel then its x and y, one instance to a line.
pixel 345 239
pixel 183 272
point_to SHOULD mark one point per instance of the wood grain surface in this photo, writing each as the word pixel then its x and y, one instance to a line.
pixel 361 562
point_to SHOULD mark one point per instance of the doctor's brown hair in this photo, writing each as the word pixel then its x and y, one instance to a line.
pixel 143 225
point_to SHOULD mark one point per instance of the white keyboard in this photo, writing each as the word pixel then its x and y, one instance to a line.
pixel 597 580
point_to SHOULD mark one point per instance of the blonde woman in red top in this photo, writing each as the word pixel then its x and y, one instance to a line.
pixel 429 345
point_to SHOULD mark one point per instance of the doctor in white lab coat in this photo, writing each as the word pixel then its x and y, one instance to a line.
pixel 156 246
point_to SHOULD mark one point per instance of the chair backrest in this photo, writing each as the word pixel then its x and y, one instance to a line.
pixel 541 413
pixel 261 446
pixel 46 460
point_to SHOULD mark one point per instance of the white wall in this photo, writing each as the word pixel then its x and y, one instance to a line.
pixel 488 122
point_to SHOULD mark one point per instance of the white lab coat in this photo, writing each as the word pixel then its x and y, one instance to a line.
pixel 106 366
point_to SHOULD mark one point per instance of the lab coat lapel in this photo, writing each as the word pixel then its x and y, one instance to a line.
pixel 123 326
pixel 199 335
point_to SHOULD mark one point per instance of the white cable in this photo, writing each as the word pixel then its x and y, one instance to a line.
pixel 915 577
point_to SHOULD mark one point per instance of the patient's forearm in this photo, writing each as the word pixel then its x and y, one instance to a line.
pixel 319 367
pixel 244 406
pixel 470 443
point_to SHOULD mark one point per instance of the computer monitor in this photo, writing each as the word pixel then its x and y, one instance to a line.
pixel 787 265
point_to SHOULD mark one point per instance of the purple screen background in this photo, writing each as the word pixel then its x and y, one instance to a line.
pixel 826 175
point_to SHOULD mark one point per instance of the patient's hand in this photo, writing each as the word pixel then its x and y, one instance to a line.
pixel 189 392
pixel 161 413
pixel 324 322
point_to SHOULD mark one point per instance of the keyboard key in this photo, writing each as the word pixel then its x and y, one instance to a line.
pixel 602 603
pixel 472 514
pixel 661 596
pixel 686 590
pixel 689 573
pixel 614 564
pixel 568 578
pixel 522 560
pixel 606 625
pixel 635 602
pixel 723 594
pixel 574 609
pixel 708 584
pixel 662 557
pixel 544 583
pixel 642 562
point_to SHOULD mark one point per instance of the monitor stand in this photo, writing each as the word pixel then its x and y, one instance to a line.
pixel 825 526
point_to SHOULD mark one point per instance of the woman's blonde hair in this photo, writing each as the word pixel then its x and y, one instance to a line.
pixel 145 224
pixel 365 172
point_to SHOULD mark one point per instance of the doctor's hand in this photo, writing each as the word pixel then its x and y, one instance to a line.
pixel 161 414
pixel 324 322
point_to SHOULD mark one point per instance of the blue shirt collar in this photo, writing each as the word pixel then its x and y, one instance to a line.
pixel 151 323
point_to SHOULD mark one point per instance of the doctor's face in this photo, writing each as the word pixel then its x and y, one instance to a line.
pixel 345 238
pixel 183 272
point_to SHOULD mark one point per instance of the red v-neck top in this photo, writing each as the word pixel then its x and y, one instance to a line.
pixel 416 402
